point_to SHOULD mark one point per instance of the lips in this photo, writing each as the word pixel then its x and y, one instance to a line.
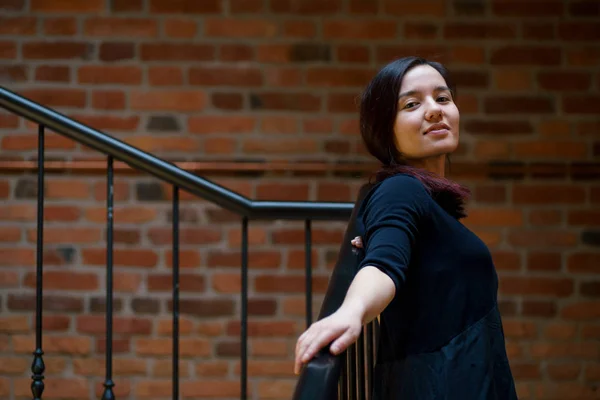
pixel 437 127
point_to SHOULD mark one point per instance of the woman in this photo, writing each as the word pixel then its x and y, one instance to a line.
pixel 430 279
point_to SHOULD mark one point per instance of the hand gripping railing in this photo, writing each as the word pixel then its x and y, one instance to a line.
pixel 348 375
pixel 115 149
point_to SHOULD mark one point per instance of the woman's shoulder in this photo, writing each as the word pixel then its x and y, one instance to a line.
pixel 400 190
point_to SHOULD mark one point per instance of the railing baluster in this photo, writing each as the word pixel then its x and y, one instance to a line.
pixel 244 326
pixel 38 367
pixel 360 366
pixel 108 383
pixel 308 254
pixel 352 372
pixel 370 359
pixel 175 293
pixel 343 390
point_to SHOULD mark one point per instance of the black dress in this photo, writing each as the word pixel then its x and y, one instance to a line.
pixel 441 337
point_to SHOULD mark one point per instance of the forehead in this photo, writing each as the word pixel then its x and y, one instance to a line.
pixel 422 77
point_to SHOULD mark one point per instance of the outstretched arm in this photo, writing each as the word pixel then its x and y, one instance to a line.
pixel 369 294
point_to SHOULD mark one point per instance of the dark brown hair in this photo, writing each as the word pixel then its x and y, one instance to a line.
pixel 378 109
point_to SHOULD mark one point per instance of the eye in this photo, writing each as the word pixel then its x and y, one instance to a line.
pixel 443 99
pixel 410 104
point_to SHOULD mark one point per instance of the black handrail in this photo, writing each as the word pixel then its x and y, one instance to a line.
pixel 266 210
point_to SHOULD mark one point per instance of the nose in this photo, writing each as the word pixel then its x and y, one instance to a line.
pixel 434 110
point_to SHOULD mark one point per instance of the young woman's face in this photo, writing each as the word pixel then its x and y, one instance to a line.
pixel 427 121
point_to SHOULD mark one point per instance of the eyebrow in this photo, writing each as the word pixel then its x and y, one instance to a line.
pixel 411 92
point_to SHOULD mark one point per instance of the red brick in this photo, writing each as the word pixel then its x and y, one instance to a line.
pixel 539 31
pixel 288 284
pixel 91 6
pixel 180 28
pixel 96 324
pixel 10 234
pixel 191 100
pixel 564 80
pixel 256 236
pixel 50 73
pixel 276 191
pixel 581 311
pixel 494 217
pixel 239 28
pixel 353 54
pixel 226 76
pixel 432 8
pixel 338 77
pixel 108 122
pixel 547 194
pixel 165 76
pixel 522 371
pixel 61 26
pixel 526 55
pixel 584 218
pixel 15 324
pixel 579 31
pixel 283 77
pixel 18 26
pixel 536 238
pixel 299 29
pixel 260 259
pixel 67 189
pixel 560 331
pixel 236 53
pixel 584 350
pixel 9 279
pixel 54 50
pixel 371 30
pixel 296 236
pixel 227 101
pixel 482 31
pixel 145 258
pixel 492 149
pixel 280 328
pixel 583 56
pixel 126 5
pixel 563 371
pixel 124 75
pixel 559 287
pixel 8 50
pixel 18 212
pixel 526 104
pixel 188 283
pixel 187 259
pixel 176 52
pixel 60 280
pixel 586 263
pixel 185 6
pixel 544 261
pixel 154 144
pixel 198 236
pixel 72 345
pixel 587 104
pixel 49 97
pixel 550 149
pixel 108 100
pixel 17 257
pixel 56 322
pixel 276 390
pixel 120 27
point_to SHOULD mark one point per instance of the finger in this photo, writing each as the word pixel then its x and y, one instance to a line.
pixel 342 342
pixel 318 343
pixel 301 346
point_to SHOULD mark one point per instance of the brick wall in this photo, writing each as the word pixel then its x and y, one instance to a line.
pixel 272 80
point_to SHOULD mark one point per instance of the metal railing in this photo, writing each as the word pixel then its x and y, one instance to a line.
pixel 325 377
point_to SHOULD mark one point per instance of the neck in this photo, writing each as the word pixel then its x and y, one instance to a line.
pixel 436 165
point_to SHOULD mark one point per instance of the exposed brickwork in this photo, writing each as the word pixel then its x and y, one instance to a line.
pixel 271 80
